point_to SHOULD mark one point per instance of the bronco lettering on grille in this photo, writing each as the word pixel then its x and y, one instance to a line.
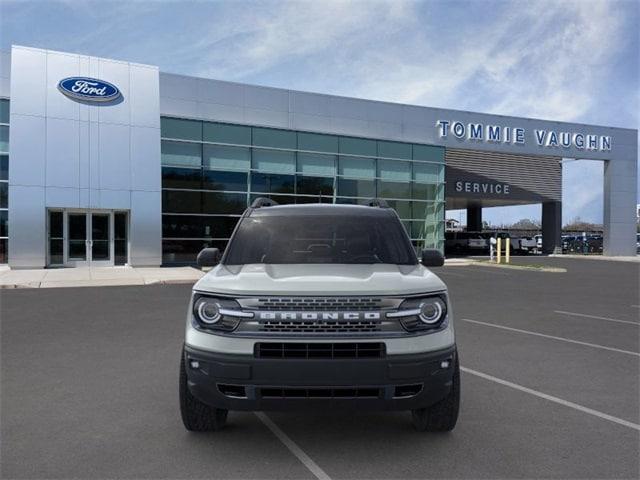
pixel 318 315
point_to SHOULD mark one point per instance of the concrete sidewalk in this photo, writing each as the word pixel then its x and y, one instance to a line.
pixel 96 277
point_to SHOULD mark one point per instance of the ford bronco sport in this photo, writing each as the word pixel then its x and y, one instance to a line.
pixel 319 305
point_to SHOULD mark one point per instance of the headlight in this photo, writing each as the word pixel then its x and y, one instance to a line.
pixel 427 313
pixel 208 310
pixel 431 310
pixel 213 313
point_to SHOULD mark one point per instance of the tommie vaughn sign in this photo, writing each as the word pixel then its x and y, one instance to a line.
pixel 479 132
pixel 88 89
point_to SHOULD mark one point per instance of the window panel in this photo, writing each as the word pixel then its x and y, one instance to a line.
pixel 279 199
pixel 308 200
pixel 183 226
pixel 423 191
pixel 4 167
pixel 174 201
pixel 358 146
pixel 316 164
pixel 317 143
pixel 227 158
pixel 394 150
pixel 274 161
pixel 217 180
pixel 224 133
pixel 4 228
pixel 420 209
pixel 428 173
pixel 393 189
pixel 270 183
pixel 4 111
pixel 314 185
pixel 357 167
pixel 217 202
pixel 429 211
pixel 182 129
pixel 4 195
pixel 4 139
pixel 182 178
pixel 356 188
pixel 428 153
pixel 186 251
pixel 403 209
pixel 4 255
pixel 394 171
pixel 179 153
pixel 271 137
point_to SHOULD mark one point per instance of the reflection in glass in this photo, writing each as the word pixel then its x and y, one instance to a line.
pixel 190 178
pixel 314 185
pixel 272 183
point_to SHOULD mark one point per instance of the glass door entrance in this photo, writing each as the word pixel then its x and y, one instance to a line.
pixel 100 242
pixel 87 238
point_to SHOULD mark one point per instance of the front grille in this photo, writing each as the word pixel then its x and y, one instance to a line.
pixel 320 350
pixel 319 392
pixel 319 303
pixel 320 326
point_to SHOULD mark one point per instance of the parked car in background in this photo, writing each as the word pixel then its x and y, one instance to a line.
pixel 538 247
pixel 474 243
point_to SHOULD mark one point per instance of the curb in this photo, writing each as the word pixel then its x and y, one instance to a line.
pixel 521 267
pixel 64 284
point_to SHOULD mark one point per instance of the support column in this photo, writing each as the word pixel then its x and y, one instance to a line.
pixel 551 227
pixel 474 218
pixel 620 191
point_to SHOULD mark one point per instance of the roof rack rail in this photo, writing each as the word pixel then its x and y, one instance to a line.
pixel 377 202
pixel 263 202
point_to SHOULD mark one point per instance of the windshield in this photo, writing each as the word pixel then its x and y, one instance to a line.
pixel 345 239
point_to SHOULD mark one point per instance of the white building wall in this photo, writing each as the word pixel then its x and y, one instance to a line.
pixel 71 154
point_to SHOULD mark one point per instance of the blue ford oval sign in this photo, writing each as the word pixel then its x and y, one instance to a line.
pixel 89 89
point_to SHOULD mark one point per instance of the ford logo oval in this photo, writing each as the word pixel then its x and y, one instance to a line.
pixel 89 89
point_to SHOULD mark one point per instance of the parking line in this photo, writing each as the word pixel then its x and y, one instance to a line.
pixel 293 448
pixel 562 339
pixel 609 319
pixel 551 398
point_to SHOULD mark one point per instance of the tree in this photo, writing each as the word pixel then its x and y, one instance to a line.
pixel 579 225
pixel 525 224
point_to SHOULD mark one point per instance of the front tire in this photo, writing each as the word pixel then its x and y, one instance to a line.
pixel 442 416
pixel 198 416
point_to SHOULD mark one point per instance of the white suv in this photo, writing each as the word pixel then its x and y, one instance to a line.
pixel 316 306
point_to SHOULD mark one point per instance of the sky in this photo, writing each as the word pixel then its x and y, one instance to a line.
pixel 558 60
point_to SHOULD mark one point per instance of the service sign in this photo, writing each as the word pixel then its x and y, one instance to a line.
pixel 88 89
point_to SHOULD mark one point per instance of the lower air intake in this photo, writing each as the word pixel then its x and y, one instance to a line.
pixel 319 392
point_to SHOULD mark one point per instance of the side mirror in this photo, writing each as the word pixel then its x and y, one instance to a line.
pixel 208 257
pixel 432 258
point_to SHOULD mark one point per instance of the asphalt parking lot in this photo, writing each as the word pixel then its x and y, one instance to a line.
pixel 550 388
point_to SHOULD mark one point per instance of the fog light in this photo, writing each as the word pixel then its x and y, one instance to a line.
pixel 194 364
pixel 445 364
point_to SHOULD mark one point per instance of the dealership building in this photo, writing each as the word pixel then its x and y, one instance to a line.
pixel 107 162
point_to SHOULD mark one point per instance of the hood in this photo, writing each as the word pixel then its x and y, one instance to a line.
pixel 312 279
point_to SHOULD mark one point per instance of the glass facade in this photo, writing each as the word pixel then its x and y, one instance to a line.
pixel 4 180
pixel 211 172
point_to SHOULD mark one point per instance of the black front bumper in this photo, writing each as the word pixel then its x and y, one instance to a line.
pixel 286 384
